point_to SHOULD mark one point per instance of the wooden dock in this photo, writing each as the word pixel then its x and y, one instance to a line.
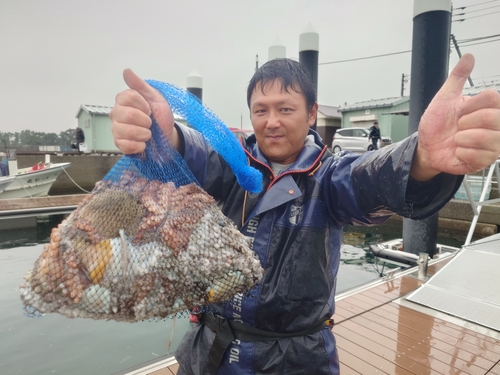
pixel 377 333
pixel 9 206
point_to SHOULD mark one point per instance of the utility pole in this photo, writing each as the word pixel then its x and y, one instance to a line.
pixel 404 79
pixel 460 56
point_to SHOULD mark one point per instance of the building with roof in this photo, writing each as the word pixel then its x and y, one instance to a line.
pixel 96 125
pixel 329 119
pixel 391 114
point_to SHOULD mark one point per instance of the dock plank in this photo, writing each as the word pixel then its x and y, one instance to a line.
pixel 40 202
pixel 421 347
pixel 386 351
pixel 374 328
pixel 346 370
pixel 495 370
pixel 458 333
pixel 439 341
pixel 362 360
pixel 170 370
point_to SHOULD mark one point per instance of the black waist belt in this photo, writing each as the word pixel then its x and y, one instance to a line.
pixel 228 330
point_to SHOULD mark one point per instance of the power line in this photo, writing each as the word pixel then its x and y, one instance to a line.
pixel 365 58
pixel 478 38
pixel 461 42
pixel 488 41
pixel 475 5
pixel 469 18
pixel 474 11
pixel 468 42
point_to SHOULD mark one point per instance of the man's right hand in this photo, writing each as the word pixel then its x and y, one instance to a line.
pixel 131 113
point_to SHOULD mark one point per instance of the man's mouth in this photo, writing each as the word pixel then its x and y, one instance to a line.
pixel 274 136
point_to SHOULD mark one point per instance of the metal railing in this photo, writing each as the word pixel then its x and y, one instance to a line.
pixel 477 205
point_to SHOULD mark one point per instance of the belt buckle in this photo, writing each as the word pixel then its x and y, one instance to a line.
pixel 220 320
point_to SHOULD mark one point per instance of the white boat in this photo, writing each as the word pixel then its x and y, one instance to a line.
pixel 349 252
pixel 31 182
pixel 5 182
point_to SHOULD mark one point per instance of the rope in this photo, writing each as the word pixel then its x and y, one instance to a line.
pixel 75 182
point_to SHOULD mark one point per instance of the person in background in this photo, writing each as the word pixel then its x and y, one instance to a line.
pixel 283 325
pixel 4 167
pixel 80 138
pixel 374 135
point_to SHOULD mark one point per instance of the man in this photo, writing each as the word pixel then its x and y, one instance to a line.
pixel 308 196
pixel 4 167
pixel 374 135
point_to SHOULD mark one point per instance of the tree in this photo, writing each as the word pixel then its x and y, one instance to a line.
pixel 67 137
pixel 32 138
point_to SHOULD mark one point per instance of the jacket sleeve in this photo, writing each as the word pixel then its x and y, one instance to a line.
pixel 382 184
pixel 201 159
pixel 368 189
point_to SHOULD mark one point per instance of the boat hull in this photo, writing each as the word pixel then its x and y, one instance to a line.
pixel 5 182
pixel 33 183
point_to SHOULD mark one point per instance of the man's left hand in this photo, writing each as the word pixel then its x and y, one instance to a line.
pixel 458 134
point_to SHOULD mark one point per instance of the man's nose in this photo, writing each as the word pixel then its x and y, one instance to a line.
pixel 273 120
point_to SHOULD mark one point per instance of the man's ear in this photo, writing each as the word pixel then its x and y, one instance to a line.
pixel 313 112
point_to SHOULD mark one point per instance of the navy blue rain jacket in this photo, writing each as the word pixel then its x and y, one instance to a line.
pixel 296 223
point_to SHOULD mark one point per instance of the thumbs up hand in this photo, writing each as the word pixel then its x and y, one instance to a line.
pixel 458 134
pixel 131 113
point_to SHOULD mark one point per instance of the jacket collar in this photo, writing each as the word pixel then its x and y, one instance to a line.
pixel 305 159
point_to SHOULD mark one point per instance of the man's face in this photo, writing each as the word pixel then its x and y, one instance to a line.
pixel 280 121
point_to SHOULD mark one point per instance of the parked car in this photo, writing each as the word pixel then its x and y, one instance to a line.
pixel 245 133
pixel 356 139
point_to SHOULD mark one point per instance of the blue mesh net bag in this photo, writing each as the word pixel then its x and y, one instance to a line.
pixel 148 242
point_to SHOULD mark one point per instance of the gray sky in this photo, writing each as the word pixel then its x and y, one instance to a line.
pixel 58 54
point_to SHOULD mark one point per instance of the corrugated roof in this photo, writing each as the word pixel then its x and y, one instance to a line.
pixel 390 102
pixel 94 109
pixel 104 111
pixel 474 90
pixel 375 103
pixel 329 111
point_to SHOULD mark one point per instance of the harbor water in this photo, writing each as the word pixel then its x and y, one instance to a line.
pixel 54 344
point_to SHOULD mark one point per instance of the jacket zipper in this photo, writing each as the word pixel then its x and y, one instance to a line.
pixel 274 178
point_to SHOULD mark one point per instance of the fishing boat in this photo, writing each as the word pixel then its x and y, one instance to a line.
pixel 34 181
pixel 5 182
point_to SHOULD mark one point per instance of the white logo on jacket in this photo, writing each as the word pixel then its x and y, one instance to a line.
pixel 296 213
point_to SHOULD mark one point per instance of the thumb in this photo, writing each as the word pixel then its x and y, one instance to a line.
pixel 454 85
pixel 158 105
pixel 138 84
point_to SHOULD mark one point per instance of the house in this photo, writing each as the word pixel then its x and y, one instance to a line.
pixel 96 125
pixel 391 114
pixel 329 119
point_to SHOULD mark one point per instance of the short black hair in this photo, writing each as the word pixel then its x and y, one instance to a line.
pixel 375 123
pixel 292 74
